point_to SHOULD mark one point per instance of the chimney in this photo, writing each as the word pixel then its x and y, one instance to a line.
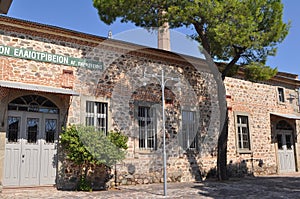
pixel 109 36
pixel 163 36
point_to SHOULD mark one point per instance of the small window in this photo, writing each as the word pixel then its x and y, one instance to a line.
pixel 147 128
pixel 96 115
pixel 33 103
pixel 50 130
pixel 279 141
pixel 288 139
pixel 67 79
pixel 13 129
pixel 283 125
pixel 243 133
pixel 281 95
pixel 32 129
pixel 189 132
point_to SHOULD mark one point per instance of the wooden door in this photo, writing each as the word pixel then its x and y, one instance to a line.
pixel 286 154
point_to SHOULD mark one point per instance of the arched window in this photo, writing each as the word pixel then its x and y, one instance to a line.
pixel 283 125
pixel 33 103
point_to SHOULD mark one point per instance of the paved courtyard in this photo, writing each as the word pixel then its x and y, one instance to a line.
pixel 279 186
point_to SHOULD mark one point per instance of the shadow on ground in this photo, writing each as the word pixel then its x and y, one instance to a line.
pixel 251 187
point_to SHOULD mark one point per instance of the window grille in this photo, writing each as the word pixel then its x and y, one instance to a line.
pixel 96 115
pixel 189 131
pixel 147 128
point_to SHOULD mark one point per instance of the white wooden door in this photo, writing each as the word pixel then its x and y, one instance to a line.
pixel 286 155
pixel 49 149
pixel 30 156
pixel 30 151
pixel 13 150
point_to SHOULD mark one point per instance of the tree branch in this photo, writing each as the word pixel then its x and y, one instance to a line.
pixel 238 52
pixel 201 32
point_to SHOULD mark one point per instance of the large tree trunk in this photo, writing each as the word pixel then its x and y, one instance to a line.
pixel 222 152
pixel 223 136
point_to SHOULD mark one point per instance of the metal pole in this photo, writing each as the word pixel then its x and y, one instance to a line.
pixel 164 131
pixel 163 82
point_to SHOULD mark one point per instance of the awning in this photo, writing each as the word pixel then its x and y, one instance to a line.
pixel 35 87
pixel 288 116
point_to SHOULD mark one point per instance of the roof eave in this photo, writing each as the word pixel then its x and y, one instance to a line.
pixel 4 6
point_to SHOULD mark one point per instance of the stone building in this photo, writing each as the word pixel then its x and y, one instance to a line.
pixel 264 124
pixel 52 77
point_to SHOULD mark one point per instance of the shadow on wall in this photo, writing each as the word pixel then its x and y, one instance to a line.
pixel 69 174
pixel 68 178
pixel 195 167
pixel 235 170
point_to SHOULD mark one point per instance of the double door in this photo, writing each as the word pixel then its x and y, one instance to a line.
pixel 31 149
pixel 286 154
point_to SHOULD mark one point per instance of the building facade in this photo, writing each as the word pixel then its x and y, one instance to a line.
pixel 52 77
pixel 264 124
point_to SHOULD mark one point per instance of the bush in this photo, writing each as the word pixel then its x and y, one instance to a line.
pixel 86 146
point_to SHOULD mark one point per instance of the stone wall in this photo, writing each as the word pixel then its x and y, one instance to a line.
pixel 257 100
pixel 68 176
pixel 33 72
pixel 120 85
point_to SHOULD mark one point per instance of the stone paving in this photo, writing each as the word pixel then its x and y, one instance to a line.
pixel 278 186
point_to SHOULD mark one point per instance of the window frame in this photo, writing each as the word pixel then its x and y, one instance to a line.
pixel 13 137
pixel 196 123
pixel 153 121
pixel 33 103
pixel 281 95
pixel 237 127
pixel 99 111
pixel 192 122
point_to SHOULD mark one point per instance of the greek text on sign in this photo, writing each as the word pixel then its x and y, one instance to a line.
pixel 49 57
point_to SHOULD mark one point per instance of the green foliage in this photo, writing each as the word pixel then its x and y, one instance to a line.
pixel 258 72
pixel 85 144
pixel 76 151
pixel 233 70
pixel 233 31
pixel 118 139
pixel 84 185
pixel 236 32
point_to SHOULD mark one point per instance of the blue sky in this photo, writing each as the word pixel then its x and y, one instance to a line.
pixel 80 15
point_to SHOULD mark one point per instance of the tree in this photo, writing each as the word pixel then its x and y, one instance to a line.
pixel 239 33
pixel 86 146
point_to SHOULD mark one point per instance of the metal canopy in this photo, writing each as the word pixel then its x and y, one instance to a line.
pixel 288 116
pixel 4 6
pixel 35 87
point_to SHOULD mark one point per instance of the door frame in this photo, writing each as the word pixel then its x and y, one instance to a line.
pixel 19 179
pixel 285 150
